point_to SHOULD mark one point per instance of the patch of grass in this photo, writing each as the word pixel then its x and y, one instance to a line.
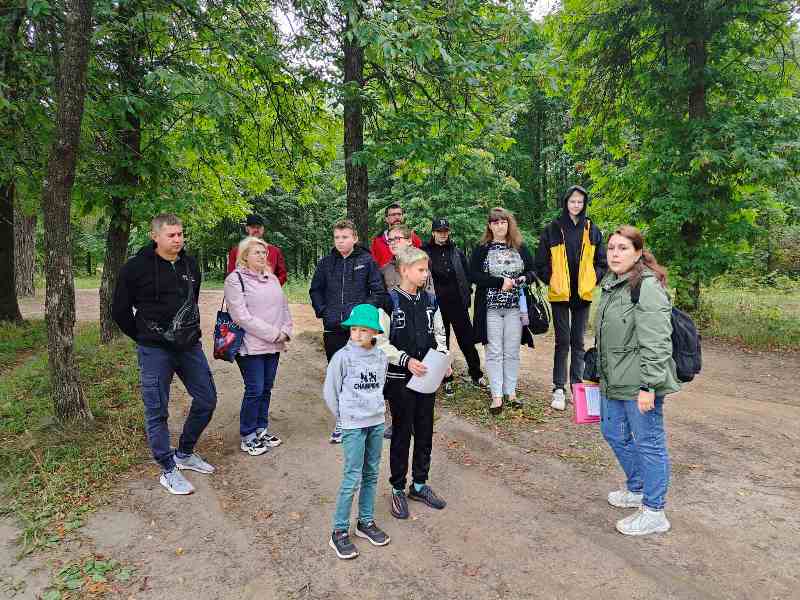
pixel 764 319
pixel 52 476
pixel 17 339
pixel 473 404
pixel 92 577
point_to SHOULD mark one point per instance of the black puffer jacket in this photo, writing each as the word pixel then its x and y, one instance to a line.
pixel 165 297
pixel 341 283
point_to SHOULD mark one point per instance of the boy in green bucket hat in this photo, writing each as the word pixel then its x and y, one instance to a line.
pixel 354 394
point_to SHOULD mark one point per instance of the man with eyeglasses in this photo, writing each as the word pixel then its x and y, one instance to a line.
pixel 380 249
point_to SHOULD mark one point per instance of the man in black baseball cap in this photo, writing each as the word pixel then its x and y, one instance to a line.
pixel 450 272
pixel 254 227
pixel 253 222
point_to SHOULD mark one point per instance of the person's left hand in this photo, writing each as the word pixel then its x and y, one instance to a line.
pixel 646 401
pixel 449 372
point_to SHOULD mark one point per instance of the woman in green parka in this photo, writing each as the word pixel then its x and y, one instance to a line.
pixel 636 372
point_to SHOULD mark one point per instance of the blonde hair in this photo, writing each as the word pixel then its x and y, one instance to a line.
pixel 409 256
pixel 244 250
pixel 513 237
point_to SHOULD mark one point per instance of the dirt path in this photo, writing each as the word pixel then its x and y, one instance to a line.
pixel 527 516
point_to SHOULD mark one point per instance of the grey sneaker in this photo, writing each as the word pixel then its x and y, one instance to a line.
pixel 625 499
pixel 341 544
pixel 336 436
pixel 193 462
pixel 426 495
pixel 644 522
pixel 373 533
pixel 176 483
pixel 270 439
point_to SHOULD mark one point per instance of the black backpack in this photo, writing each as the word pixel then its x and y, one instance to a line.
pixel 686 351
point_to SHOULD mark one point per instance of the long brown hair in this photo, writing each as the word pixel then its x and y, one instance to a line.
pixel 513 237
pixel 647 260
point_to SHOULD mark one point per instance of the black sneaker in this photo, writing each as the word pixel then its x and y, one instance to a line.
pixel 449 390
pixel 426 495
pixel 387 433
pixel 340 542
pixel 372 532
pixel 399 505
pixel 516 402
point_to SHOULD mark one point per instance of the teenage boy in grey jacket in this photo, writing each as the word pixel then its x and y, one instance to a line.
pixel 353 392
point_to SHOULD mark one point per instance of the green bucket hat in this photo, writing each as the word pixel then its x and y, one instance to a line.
pixel 364 315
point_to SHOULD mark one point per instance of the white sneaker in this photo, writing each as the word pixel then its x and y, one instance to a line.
pixel 559 400
pixel 625 499
pixel 254 447
pixel 175 482
pixel 270 439
pixel 643 522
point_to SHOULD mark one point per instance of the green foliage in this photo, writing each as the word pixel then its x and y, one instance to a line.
pixel 686 111
pixel 19 339
pixel 51 476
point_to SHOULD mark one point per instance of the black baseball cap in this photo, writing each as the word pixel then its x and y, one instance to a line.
pixel 440 225
pixel 253 220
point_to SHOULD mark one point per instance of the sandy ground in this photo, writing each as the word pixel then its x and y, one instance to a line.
pixel 527 516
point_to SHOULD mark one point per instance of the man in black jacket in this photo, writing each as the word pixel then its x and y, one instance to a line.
pixel 346 277
pixel 451 281
pixel 571 259
pixel 162 283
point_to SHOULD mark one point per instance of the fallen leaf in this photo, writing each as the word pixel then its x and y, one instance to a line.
pixel 295 516
pixel 471 571
pixel 179 551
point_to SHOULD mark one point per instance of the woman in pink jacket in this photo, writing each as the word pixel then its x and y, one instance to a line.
pixel 257 303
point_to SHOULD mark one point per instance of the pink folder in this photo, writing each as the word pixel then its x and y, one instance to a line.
pixel 586 403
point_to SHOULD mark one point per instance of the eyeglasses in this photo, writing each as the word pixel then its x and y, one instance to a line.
pixel 396 239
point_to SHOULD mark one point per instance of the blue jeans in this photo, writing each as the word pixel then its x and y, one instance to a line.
pixel 362 462
pixel 258 372
pixel 156 369
pixel 640 444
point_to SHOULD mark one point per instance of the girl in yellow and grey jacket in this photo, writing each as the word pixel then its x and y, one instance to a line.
pixel 571 259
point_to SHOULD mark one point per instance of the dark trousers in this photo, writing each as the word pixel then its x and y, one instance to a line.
pixel 156 369
pixel 454 314
pixel 411 411
pixel 258 372
pixel 334 341
pixel 569 325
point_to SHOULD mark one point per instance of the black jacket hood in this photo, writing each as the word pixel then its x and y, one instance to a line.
pixel 149 251
pixel 568 193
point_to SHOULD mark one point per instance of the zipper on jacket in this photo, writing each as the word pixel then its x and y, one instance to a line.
pixel 341 311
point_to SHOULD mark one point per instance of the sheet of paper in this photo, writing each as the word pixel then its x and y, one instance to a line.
pixel 437 364
pixel 592 400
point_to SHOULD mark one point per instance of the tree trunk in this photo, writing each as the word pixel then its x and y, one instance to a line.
pixel 692 232
pixel 12 16
pixel 69 401
pixel 25 252
pixel 9 307
pixel 355 174
pixel 125 177
pixel 119 230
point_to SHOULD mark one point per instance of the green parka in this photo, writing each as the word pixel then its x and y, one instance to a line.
pixel 634 340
